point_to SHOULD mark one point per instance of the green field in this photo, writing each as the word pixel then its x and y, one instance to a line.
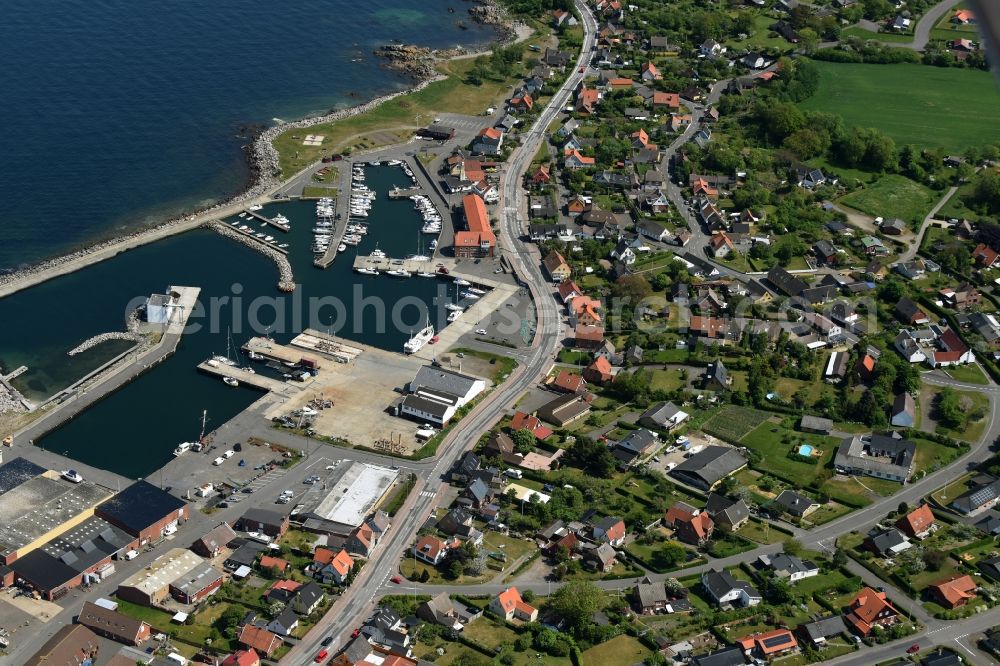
pixel 893 196
pixel 732 422
pixel 925 106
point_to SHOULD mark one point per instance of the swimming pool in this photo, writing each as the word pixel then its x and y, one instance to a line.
pixel 805 450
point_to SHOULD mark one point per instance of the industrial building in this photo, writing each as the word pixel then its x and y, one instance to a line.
pixel 36 505
pixel 436 394
pixel 151 586
pixel 353 497
pixel 144 511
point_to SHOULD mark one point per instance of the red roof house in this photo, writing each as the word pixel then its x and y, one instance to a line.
pixel 985 256
pixel 917 523
pixel 953 592
pixel 599 371
pixel 870 608
pixel 567 382
pixel 259 639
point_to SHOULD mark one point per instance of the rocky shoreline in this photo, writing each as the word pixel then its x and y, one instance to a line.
pixel 263 159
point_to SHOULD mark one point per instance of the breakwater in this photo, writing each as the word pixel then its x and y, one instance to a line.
pixel 90 343
pixel 286 280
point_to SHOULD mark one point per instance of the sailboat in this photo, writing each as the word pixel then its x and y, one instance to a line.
pixel 422 337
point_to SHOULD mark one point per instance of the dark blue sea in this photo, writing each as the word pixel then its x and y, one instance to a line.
pixel 119 114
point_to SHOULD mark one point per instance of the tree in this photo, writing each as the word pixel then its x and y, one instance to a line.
pixel 793 547
pixel 524 440
pixel 935 559
pixel 948 408
pixel 670 554
pixel 592 457
pixel 577 601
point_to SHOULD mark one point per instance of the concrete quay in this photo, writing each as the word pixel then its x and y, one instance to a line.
pixel 255 380
pixel 328 345
pixel 383 264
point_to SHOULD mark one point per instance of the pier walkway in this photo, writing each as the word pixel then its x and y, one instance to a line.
pixel 388 263
pixel 328 345
pixel 255 380
pixel 274 223
pixel 404 192
pixel 274 351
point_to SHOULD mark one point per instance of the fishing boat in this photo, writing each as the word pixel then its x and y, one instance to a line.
pixel 416 342
pixel 183 448
pixel 230 381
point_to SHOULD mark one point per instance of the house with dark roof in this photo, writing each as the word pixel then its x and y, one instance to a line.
pixel 795 504
pixel 728 656
pixel 815 424
pixel 650 597
pixel 266 521
pixel 439 610
pixel 716 377
pixel 566 409
pixel 887 543
pixel 910 313
pixel 663 416
pixel 904 411
pixel 876 455
pixel 819 631
pixel 725 590
pixel 785 282
pixel 212 543
pixel 144 511
pixel 708 467
pixel 977 499
pixel 728 514
pixel 788 567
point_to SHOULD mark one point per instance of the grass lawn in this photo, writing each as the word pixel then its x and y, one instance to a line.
pixel 926 106
pixel 952 490
pixel 856 31
pixel 668 380
pixel 973 430
pixel 827 512
pixel 761 533
pixel 316 192
pixel 931 455
pixel 775 442
pixel 787 387
pixel 733 422
pixel 967 374
pixel 893 196
pixel 395 120
pixel 858 490
pixel 619 650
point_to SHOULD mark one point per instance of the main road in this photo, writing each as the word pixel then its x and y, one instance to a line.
pixel 356 602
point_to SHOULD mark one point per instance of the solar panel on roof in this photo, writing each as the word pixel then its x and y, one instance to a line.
pixel 775 641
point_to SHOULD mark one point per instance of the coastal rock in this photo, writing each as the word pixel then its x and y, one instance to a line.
pixel 414 61
pixel 488 12
pixel 286 282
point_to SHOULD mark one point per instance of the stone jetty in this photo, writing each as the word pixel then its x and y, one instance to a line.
pixel 286 281
pixel 90 343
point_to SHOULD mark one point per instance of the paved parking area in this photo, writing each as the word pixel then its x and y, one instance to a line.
pixel 461 121
pixel 512 323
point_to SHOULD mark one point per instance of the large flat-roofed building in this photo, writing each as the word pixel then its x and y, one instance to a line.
pixel 354 497
pixel 144 511
pixel 79 555
pixel 479 240
pixel 150 586
pixel 35 507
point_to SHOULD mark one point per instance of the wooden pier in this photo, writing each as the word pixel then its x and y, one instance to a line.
pixel 277 225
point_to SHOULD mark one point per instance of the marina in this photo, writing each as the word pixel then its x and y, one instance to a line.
pixel 278 222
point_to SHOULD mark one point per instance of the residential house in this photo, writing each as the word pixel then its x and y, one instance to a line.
pixel 601 558
pixel 610 530
pixel 663 415
pixel 690 525
pixel 815 424
pixel 887 542
pixel 542 175
pixel 903 413
pixel 259 639
pixel 954 591
pixel 521 103
pixel 439 610
pixel 573 159
pixel 728 514
pixel 284 623
pixel 568 382
pixel 788 567
pixel 665 100
pixel 329 566
pixel 509 605
pixel 731 655
pixel 588 337
pixel 111 624
pixel 795 504
pixel 984 256
pixel 557 267
pixel 599 371
pixel 725 590
pixel 720 245
pixel 432 550
pixel 649 72
pixel 716 376
pixel 876 455
pixel 566 409
pixel 893 226
pixel 871 608
pixel 979 498
pixel 650 597
pixel 910 313
pixel 964 17
pixel 785 282
pixel 873 247
pixel 770 644
pixel 825 251
pixel 918 523
pixel 819 631
pixel 212 543
pixel 488 141
pixel 652 230
pixel 524 421
pixel 962 297
pixel 307 598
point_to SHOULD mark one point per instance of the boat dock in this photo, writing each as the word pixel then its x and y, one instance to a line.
pixel 404 192
pixel 250 235
pixel 384 264
pixel 17 373
pixel 274 351
pixel 277 225
pixel 250 379
pixel 328 345
pixel 339 229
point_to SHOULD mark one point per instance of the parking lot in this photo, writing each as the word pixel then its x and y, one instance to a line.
pixel 512 324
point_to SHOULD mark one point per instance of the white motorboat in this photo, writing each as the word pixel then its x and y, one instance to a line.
pixel 416 342
pixel 268 238
pixel 397 272
pixel 419 257
pixel 183 448
pixel 477 292
pixel 254 356
pixel 230 381
pixel 462 283
pixel 224 360
pixel 453 307
pixel 469 295
pixel 377 254
pixel 243 215
pixel 71 475
pixel 342 247
pixel 235 223
pixel 255 207
pixel 250 370
pixel 454 314
pixel 425 274
pixel 366 271
pixel 283 245
pixel 434 244
pixel 280 219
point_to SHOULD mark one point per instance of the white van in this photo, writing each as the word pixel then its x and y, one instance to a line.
pixel 130 555
pixel 218 461
pixel 514 473
pixel 229 454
